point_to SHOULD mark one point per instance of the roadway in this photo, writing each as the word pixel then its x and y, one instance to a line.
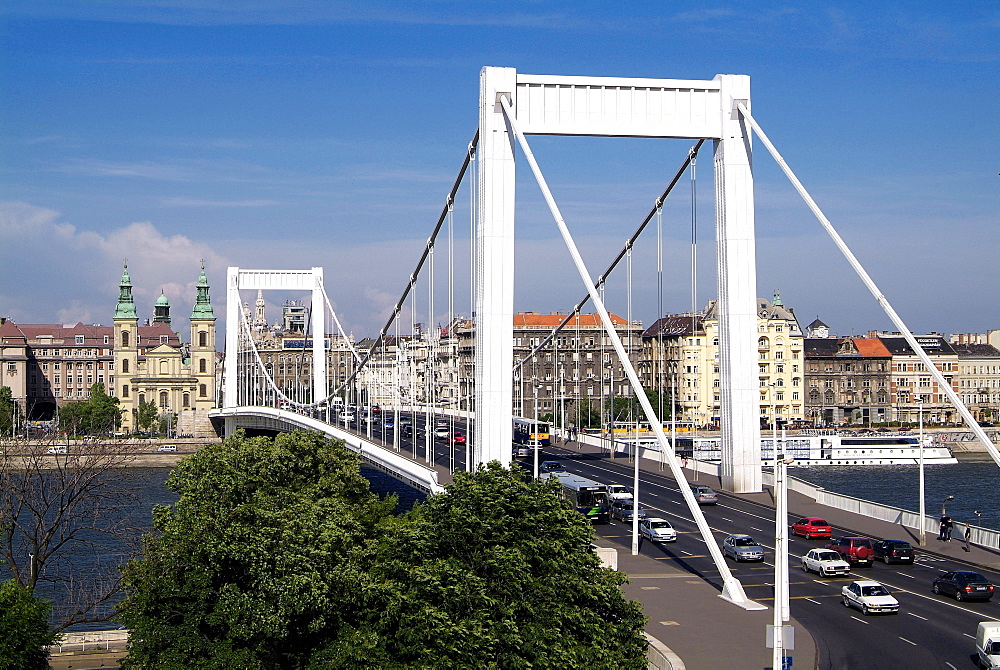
pixel 930 631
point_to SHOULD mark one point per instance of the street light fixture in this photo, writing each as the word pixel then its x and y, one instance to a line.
pixel 945 503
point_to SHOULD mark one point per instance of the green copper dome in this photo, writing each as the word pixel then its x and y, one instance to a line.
pixel 202 304
pixel 126 306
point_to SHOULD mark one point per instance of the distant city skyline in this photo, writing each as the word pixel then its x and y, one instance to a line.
pixel 328 134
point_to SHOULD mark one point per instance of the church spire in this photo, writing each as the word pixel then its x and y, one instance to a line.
pixel 202 304
pixel 126 305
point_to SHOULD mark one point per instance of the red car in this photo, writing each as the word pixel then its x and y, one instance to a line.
pixel 458 438
pixel 812 527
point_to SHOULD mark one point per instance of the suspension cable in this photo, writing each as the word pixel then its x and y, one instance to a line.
pixel 603 277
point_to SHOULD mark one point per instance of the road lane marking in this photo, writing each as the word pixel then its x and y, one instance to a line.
pixel 905 640
pixel 950 665
pixel 860 620
pixel 971 636
pixel 725 519
pixel 918 616
pixel 759 530
pixel 904 574
pixel 813 601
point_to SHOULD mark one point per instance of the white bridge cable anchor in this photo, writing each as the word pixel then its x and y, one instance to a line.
pixel 732 590
pixel 869 283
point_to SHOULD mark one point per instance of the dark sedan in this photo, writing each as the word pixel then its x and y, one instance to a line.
pixel 964 585
pixel 892 551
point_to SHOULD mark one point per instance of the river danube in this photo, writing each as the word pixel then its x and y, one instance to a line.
pixel 973 483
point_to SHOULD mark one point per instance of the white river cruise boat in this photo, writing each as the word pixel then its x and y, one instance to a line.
pixel 832 449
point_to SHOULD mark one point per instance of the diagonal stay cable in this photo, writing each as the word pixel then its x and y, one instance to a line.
pixel 732 588
pixel 943 384
pixel 692 153
pixel 449 202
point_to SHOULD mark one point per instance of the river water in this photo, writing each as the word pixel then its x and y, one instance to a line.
pixel 973 483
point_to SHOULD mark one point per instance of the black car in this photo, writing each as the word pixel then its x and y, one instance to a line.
pixel 551 466
pixel 892 551
pixel 964 585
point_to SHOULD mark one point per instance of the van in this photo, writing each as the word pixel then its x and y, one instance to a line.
pixel 167 447
pixel 988 644
pixel 57 449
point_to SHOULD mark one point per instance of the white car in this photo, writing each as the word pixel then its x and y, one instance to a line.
pixel 825 562
pixel 656 529
pixel 618 492
pixel 870 597
pixel 167 447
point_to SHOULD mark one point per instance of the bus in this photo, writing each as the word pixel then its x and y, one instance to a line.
pixel 587 496
pixel 532 433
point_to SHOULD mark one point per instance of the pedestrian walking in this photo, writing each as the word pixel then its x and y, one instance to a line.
pixel 941 527
pixel 968 538
pixel 947 529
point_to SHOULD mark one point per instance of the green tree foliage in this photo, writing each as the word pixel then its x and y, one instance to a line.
pixel 498 573
pixel 257 564
pixel 24 629
pixel 6 411
pixel 97 414
pixel 146 416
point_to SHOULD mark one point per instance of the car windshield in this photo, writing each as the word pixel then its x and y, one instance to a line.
pixel 973 578
pixel 744 542
pixel 900 545
pixel 659 524
pixel 877 590
pixel 827 556
pixel 819 522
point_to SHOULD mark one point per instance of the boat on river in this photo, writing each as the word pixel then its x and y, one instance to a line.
pixel 821 449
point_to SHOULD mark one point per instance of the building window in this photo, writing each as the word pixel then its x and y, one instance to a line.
pixel 187 400
pixel 125 391
pixel 125 365
pixel 163 399
pixel 125 338
pixel 202 391
pixel 202 365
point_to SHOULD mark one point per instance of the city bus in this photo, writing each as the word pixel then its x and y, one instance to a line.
pixel 588 497
pixel 531 433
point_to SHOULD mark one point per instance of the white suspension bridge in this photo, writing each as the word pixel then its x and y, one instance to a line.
pixel 513 106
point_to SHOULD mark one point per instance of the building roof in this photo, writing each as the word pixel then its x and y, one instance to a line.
pixel 871 347
pixel 932 344
pixel 966 350
pixel 676 324
pixel 535 319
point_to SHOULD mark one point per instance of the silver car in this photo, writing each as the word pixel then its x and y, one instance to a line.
pixel 742 548
pixel 656 529
pixel 704 495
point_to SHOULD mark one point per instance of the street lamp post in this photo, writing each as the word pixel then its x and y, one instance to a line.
pixel 944 504
pixel 923 509
pixel 782 639
pixel 534 441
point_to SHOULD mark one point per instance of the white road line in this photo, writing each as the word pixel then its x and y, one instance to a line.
pixel 918 616
pixel 950 665
pixel 813 601
pixel 905 640
pixel 725 519
pixel 860 620
pixel 686 553
pixel 969 636
pixel 905 575
pixel 759 530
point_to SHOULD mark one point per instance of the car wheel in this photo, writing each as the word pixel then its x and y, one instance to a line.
pixel 886 559
pixel 936 589
pixel 804 568
pixel 864 610
pixel 958 596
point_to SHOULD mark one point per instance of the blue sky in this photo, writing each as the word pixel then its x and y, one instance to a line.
pixel 308 133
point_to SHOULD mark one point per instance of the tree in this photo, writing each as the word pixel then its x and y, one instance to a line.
pixel 146 416
pixel 24 622
pixel 60 510
pixel 6 411
pixel 98 414
pixel 258 563
pixel 495 573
